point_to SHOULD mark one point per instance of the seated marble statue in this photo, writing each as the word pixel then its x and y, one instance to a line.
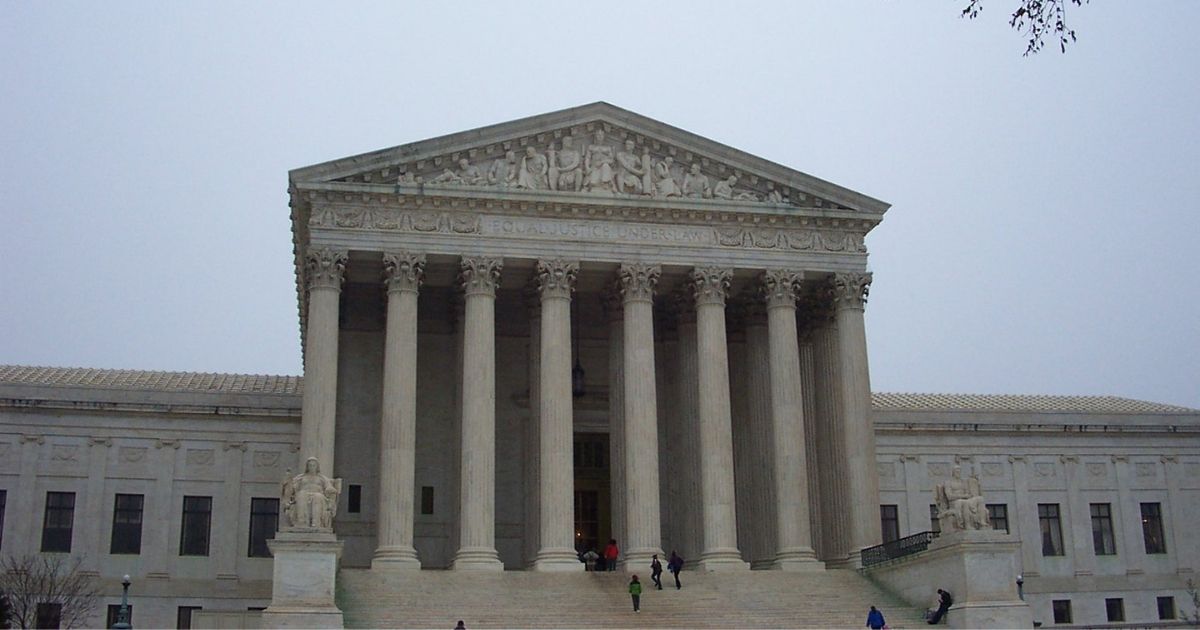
pixel 960 503
pixel 310 499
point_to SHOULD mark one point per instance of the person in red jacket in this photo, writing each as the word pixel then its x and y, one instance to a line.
pixel 610 555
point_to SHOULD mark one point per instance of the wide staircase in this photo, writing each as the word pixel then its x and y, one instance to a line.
pixel 527 599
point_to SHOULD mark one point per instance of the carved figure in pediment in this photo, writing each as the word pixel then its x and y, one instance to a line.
pixel 310 499
pixel 407 178
pixel 695 184
pixel 773 194
pixel 629 171
pixel 665 184
pixel 598 162
pixel 565 173
pixel 467 175
pixel 724 188
pixel 504 171
pixel 534 168
pixel 747 196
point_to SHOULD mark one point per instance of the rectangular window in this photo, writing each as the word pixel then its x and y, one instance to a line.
pixel 1102 530
pixel 935 525
pixel 114 615
pixel 183 617
pixel 193 533
pixel 1115 609
pixel 3 501
pixel 1062 610
pixel 889 520
pixel 127 524
pixel 264 519
pixel 1152 528
pixel 427 499
pixel 998 516
pixel 60 520
pixel 1166 607
pixel 48 615
pixel 354 499
pixel 1052 544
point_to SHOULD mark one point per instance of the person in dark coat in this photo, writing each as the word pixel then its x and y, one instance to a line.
pixel 944 603
pixel 656 572
pixel 875 619
pixel 635 591
pixel 675 565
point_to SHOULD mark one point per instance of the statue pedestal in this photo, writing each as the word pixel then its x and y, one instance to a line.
pixel 302 592
pixel 978 567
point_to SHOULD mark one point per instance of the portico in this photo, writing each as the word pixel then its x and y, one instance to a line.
pixel 720 328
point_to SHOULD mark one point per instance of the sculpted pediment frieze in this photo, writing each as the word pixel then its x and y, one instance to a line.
pixel 596 150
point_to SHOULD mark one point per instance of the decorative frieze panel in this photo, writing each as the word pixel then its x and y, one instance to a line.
pixel 938 469
pixel 266 459
pixel 1045 469
pixel 591 158
pixel 64 453
pixel 992 469
pixel 1146 469
pixel 1097 469
pixel 131 454
pixel 200 456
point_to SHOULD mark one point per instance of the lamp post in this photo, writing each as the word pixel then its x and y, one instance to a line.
pixel 123 615
pixel 1020 587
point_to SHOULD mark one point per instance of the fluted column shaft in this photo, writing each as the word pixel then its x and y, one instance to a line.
pixel 403 274
pixel 555 281
pixel 716 435
pixel 642 519
pixel 793 532
pixel 615 312
pixel 685 448
pixel 850 295
pixel 477 496
pixel 323 270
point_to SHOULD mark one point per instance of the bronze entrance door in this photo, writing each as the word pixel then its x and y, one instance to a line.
pixel 593 520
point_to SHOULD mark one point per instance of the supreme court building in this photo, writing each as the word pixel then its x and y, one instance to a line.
pixel 523 340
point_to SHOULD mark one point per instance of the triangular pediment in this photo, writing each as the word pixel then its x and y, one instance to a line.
pixel 596 149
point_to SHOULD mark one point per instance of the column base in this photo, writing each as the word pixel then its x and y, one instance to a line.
pixel 722 560
pixel 799 560
pixel 557 560
pixel 396 558
pixel 638 560
pixel 476 559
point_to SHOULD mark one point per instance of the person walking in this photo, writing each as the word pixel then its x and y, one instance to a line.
pixel 944 603
pixel 635 591
pixel 875 619
pixel 656 572
pixel 675 565
pixel 610 554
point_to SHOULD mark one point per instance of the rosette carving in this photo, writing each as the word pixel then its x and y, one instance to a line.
pixel 637 281
pixel 325 268
pixel 556 278
pixel 850 289
pixel 403 271
pixel 710 285
pixel 478 275
pixel 780 287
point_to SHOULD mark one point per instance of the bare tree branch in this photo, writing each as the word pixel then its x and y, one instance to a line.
pixel 29 580
pixel 1038 19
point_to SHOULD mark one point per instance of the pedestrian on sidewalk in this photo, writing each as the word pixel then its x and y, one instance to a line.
pixel 656 572
pixel 460 625
pixel 635 591
pixel 945 601
pixel 875 620
pixel 610 554
pixel 675 565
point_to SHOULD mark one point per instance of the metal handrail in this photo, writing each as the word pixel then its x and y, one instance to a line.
pixel 897 548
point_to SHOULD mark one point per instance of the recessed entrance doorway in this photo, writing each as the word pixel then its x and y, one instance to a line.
pixel 593 499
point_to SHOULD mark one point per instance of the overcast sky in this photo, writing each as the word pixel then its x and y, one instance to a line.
pixel 1044 222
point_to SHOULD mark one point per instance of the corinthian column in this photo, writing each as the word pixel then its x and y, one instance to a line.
pixel 793 532
pixel 555 282
pixel 640 451
pixel 479 278
pixel 858 435
pixel 720 552
pixel 403 274
pixel 323 272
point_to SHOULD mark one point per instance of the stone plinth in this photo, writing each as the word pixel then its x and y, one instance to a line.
pixel 302 593
pixel 978 567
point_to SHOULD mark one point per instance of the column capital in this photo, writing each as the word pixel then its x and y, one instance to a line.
pixel 403 271
pixel 850 289
pixel 479 275
pixel 325 268
pixel 779 287
pixel 710 284
pixel 637 281
pixel 555 278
